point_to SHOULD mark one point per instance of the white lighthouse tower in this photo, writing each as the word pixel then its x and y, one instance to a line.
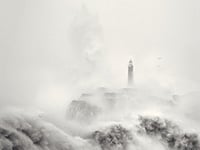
pixel 130 73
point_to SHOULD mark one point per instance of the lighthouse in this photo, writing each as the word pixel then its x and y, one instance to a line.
pixel 130 73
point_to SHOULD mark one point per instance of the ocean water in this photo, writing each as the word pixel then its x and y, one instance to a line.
pixel 117 120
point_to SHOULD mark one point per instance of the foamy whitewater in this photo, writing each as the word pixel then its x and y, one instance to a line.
pixel 102 119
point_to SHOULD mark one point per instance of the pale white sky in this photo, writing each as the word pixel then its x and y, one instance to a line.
pixel 149 29
pixel 48 46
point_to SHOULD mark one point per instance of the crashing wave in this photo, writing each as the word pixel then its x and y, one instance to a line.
pixel 28 133
pixel 169 133
pixel 20 132
pixel 115 137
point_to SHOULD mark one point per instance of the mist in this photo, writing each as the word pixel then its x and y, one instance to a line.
pixel 47 45
pixel 53 52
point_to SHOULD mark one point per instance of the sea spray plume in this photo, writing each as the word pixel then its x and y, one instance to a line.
pixel 169 133
pixel 86 40
pixel 115 137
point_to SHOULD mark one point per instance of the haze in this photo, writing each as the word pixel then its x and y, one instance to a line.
pixel 50 49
